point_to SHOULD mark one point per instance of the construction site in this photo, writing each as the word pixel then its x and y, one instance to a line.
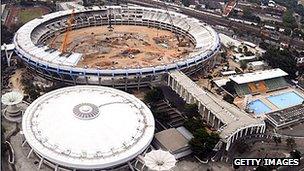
pixel 123 45
pixel 116 46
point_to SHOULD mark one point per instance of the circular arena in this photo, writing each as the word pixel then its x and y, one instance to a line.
pixel 72 128
pixel 118 46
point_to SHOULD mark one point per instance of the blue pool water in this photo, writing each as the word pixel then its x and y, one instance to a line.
pixel 286 100
pixel 258 107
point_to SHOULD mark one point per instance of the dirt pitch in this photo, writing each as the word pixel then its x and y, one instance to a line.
pixel 125 46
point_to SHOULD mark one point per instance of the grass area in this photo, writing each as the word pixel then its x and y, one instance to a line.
pixel 26 15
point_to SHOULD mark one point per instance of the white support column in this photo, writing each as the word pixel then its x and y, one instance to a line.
pixel 232 138
pixel 29 154
pixel 208 116
pixel 257 129
pixel 246 130
pixel 182 89
pixel 241 133
pixel 40 163
pixel 251 129
pixel 228 144
pixel 169 80
pixel 200 108
pixel 8 55
pixel 174 85
pixel 236 135
pixel 213 121
pixel 56 167
pixel 262 129
pixel 23 144
pixel 187 97
pixel 130 166
pixel 218 124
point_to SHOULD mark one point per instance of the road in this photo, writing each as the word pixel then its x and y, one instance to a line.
pixel 216 19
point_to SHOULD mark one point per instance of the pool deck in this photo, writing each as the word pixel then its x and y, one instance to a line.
pixel 263 97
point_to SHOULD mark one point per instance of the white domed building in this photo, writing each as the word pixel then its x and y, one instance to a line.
pixel 87 128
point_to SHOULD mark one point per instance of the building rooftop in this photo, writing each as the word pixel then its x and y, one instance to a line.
pixel 27 44
pixel 258 76
pixel 171 139
pixel 88 127
pixel 232 117
pixel 287 116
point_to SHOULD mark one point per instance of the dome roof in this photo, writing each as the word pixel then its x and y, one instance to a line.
pixel 88 127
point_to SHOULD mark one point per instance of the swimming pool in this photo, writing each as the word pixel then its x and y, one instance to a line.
pixel 286 100
pixel 258 107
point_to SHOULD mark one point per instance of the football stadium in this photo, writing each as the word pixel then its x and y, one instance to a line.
pixel 118 46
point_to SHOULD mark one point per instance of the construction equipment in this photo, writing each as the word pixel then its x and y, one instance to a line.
pixel 110 20
pixel 53 40
pixel 180 41
pixel 64 44
pixel 171 22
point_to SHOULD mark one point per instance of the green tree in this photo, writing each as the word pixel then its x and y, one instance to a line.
pixel 229 86
pixel 186 3
pixel 162 116
pixel 243 64
pixel 288 20
pixel 277 140
pixel 291 143
pixel 228 98
pixel 242 147
pixel 154 95
pixel 6 35
pixel 284 59
pixel 295 154
pixel 203 143
pixel 3 144
pixel 245 49
pixel 191 110
pixel 193 124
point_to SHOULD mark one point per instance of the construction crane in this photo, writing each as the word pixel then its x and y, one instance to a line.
pixel 180 41
pixel 110 20
pixel 64 44
pixel 171 22
pixel 52 44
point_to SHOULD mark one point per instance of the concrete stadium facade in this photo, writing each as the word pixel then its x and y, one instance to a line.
pixel 30 46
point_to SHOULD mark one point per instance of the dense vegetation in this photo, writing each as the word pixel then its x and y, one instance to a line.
pixel 191 110
pixel 6 35
pixel 288 20
pixel 186 3
pixel 154 95
pixel 248 15
pixel 292 5
pixel 284 59
pixel 203 143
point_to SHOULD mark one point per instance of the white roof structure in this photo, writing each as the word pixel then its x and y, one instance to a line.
pixel 88 127
pixel 233 118
pixel 256 63
pixel 7 47
pixel 226 40
pixel 12 98
pixel 70 5
pixel 159 160
pixel 258 76
pixel 27 37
